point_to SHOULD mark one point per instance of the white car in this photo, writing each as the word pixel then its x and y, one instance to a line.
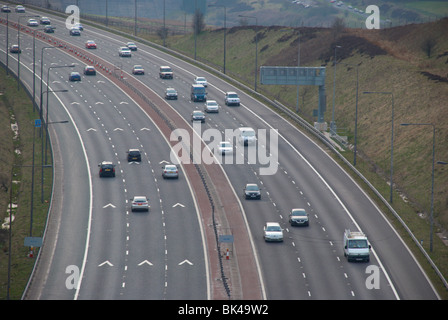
pixel 211 106
pixel 20 9
pixel 225 147
pixel 140 203
pixel 124 52
pixel 33 23
pixel 232 99
pixel 273 232
pixel 200 80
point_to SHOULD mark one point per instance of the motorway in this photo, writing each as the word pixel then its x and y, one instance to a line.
pixel 162 254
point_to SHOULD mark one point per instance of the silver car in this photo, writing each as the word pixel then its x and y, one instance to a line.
pixel 170 171
pixel 273 232
pixel 124 52
pixel 140 203
pixel 211 106
pixel 200 80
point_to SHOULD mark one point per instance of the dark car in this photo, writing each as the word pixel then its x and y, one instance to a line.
pixel 107 169
pixel 15 49
pixel 75 32
pixel 45 20
pixel 134 155
pixel 5 8
pixel 299 217
pixel 171 93
pixel 252 191
pixel 74 76
pixel 89 70
pixel 198 115
pixel 49 29
pixel 132 46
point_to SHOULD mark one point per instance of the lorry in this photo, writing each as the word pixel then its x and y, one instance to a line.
pixel 356 246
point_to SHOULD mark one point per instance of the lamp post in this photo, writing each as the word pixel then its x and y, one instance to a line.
pixel 391 141
pixel 225 32
pixel 355 149
pixel 42 152
pixel 7 43
pixel 41 80
pixel 332 123
pixel 431 218
pixel 46 116
pixel 18 43
pixel 256 48
pixel 298 65
pixel 34 69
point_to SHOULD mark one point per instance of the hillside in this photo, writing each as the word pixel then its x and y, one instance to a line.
pixel 389 60
pixel 293 13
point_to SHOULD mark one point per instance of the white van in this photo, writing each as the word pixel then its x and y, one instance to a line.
pixel 246 136
pixel 356 246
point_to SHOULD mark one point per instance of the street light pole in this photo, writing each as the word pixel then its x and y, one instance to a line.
pixel 225 33
pixel 333 124
pixel 18 43
pixel 391 142
pixel 431 218
pixel 42 152
pixel 256 48
pixel 355 148
pixel 46 121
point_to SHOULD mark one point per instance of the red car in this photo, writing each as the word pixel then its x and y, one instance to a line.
pixel 90 44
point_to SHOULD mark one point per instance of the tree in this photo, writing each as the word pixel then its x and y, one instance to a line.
pixel 428 45
pixel 338 26
pixel 198 22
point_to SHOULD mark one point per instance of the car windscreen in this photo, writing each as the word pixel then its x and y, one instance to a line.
pixel 357 243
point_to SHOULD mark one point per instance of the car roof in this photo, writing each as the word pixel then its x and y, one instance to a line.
pixel 272 224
